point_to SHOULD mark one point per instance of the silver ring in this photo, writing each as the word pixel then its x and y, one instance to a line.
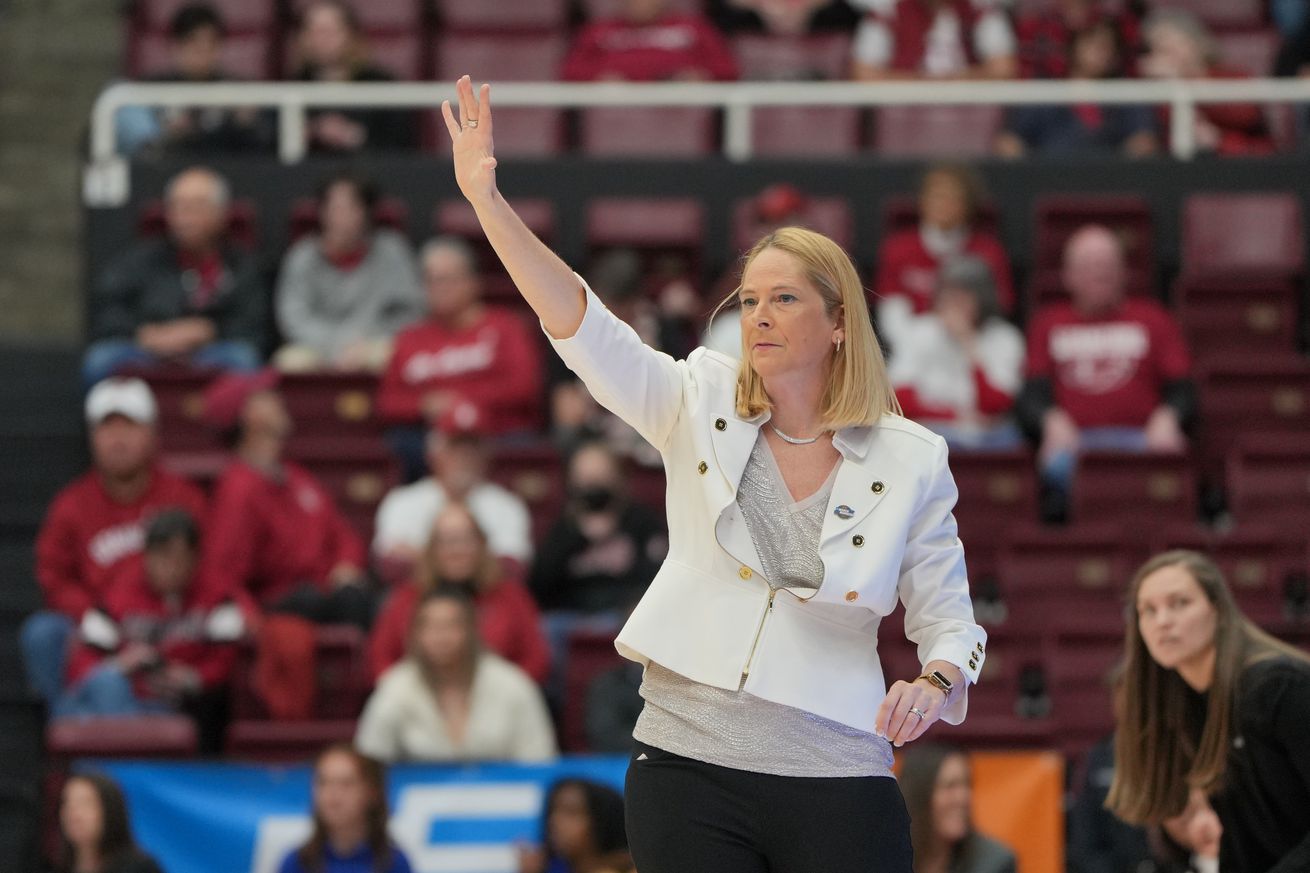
pixel 471 123
pixel 914 710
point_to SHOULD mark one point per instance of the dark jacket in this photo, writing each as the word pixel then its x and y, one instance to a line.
pixel 146 285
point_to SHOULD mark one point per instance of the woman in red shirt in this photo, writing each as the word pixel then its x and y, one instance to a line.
pixel 457 557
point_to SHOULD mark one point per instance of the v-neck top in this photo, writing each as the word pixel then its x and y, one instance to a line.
pixel 732 728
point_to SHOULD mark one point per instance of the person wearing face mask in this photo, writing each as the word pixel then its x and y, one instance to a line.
pixel 938 790
pixel 95 829
pixel 458 556
pixel 451 699
pixel 801 508
pixel 1212 704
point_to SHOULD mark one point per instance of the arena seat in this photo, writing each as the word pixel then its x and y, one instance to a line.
pixel 285 741
pixel 589 655
pixel 1223 317
pixel 652 226
pixel 1257 393
pixel 145 736
pixel 650 132
pixel 1269 477
pixel 830 216
pixel 1250 51
pixel 534 472
pixel 390 212
pixel 810 132
pixel 764 58
pixel 1146 490
pixel 357 473
pixel 242 222
pixel 479 16
pixel 1057 216
pixel 645 485
pixel 997 489
pixel 1012 707
pixel 1079 665
pixel 1252 233
pixel 935 131
pixel 244 55
pixel 179 397
pixel 457 218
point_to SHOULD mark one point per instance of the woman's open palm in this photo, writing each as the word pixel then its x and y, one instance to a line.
pixel 470 137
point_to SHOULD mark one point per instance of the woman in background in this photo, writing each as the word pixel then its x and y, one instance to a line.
pixel 938 790
pixel 583 831
pixel 350 819
pixel 95 831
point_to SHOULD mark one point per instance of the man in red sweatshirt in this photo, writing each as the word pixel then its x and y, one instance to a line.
pixel 94 528
pixel 476 365
pixel 161 639
pixel 275 531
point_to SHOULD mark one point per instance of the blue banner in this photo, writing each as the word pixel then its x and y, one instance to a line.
pixel 236 818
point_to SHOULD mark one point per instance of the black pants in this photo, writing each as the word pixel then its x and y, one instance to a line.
pixel 685 816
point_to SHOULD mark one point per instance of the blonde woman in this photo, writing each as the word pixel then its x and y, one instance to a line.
pixel 801 505
pixel 1212 704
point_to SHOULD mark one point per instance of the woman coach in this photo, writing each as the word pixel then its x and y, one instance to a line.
pixel 800 506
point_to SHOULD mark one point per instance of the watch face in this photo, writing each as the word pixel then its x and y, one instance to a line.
pixel 946 683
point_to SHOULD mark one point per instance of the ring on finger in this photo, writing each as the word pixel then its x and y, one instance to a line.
pixel 471 123
pixel 914 710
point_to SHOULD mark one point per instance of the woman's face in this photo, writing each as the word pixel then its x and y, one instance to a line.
pixel 325 38
pixel 457 545
pixel 342 797
pixel 1175 618
pixel 343 214
pixel 1173 54
pixel 785 326
pixel 441 637
pixel 943 203
pixel 951 797
pixel 568 825
pixel 81 817
pixel 1095 54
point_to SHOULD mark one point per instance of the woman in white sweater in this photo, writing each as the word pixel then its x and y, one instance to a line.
pixel 452 701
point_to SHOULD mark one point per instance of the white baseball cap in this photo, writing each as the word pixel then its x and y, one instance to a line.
pixel 130 398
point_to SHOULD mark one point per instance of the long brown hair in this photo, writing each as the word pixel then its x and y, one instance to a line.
pixel 920 767
pixel 1156 760
pixel 313 854
pixel 116 841
pixel 858 391
pixel 428 577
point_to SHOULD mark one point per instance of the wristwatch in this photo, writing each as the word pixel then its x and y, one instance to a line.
pixel 939 680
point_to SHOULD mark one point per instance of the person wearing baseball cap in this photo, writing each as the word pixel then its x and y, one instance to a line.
pixel 94 529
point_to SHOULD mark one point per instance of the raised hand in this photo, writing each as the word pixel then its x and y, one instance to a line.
pixel 470 137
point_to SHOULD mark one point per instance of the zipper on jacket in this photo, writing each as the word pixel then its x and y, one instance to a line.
pixel 768 609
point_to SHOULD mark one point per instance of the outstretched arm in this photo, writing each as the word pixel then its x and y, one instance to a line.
pixel 545 281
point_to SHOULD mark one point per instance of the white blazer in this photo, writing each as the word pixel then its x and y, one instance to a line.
pixel 709 615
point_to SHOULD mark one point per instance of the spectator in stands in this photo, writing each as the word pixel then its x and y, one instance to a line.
pixel 582 831
pixel 94 529
pixel 469 363
pixel 950 196
pixel 649 43
pixel 350 819
pixel 191 297
pixel 933 39
pixel 162 640
pixel 457 459
pixel 95 829
pixel 344 292
pixel 1046 34
pixel 783 17
pixel 330 47
pixel 938 789
pixel 613 705
pixel 1180 47
pixel 1104 372
pixel 275 531
pixel 1095 53
pixel 196 35
pixel 457 556
pixel 452 701
pixel 960 366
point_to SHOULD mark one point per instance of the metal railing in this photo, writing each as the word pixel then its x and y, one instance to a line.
pixel 737 100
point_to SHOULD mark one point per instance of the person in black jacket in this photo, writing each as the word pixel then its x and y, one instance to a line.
pixel 1212 704
pixel 191 297
pixel 95 831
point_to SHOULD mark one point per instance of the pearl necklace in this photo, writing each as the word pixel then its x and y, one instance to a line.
pixel 794 440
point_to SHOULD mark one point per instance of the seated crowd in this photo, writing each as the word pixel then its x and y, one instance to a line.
pixel 658 40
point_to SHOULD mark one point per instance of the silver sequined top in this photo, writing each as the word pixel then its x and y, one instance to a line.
pixel 736 729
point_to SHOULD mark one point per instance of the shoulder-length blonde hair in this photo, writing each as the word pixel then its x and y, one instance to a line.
pixel 858 390
pixel 1156 762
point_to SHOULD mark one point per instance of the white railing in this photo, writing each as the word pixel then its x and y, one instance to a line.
pixel 737 100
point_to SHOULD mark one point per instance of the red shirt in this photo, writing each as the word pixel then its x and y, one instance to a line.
pixel 269 535
pixel 176 630
pixel 1108 369
pixel 508 623
pixel 87 538
pixel 494 367
pixel 651 52
pixel 906 268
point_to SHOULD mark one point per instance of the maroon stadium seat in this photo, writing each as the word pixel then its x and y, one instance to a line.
pixel 1079 667
pixel 1222 316
pixel 238 15
pixel 648 132
pixel 997 490
pixel 589 655
pixel 1260 393
pixel 790 58
pixel 1224 14
pixel 1057 216
pixel 1250 51
pixel 645 485
pixel 482 16
pixel 830 216
pixel 654 226
pixel 152 736
pixel 244 55
pixel 1145 490
pixel 935 131
pixel 1269 478
pixel 1246 233
pixel 379 15
pixel 536 474
pixel 805 131
pixel 285 741
pixel 179 396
